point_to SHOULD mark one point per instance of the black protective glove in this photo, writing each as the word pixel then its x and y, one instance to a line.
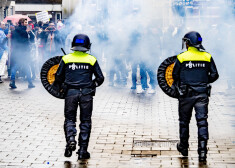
pixel 55 86
pixel 58 89
pixel 94 84
pixel 93 87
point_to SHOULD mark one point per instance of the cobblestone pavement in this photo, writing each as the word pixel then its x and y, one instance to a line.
pixel 129 130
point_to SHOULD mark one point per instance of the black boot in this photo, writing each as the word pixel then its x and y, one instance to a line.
pixel 1 80
pixel 82 153
pixel 70 147
pixel 183 150
pixel 202 150
pixel 12 84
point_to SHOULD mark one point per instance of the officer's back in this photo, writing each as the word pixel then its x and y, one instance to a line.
pixel 192 73
pixel 79 69
pixel 195 68
pixel 76 71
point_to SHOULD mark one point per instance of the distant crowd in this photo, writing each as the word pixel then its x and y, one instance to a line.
pixel 136 56
pixel 27 44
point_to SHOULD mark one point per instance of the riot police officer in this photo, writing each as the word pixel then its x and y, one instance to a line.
pixel 76 71
pixel 194 69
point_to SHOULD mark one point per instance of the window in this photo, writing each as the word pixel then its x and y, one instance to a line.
pixel 58 16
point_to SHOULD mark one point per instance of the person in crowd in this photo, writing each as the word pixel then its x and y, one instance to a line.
pixel 20 56
pixel 40 24
pixel 119 69
pixel 59 25
pixel 7 27
pixel 36 30
pixel 41 40
pixel 3 42
pixel 152 44
pixel 30 23
pixel 135 59
pixel 53 42
pixel 116 65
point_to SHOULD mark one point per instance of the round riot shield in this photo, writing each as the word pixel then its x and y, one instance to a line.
pixel 164 77
pixel 48 71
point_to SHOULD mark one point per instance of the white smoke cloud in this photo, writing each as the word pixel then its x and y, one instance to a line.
pixel 150 31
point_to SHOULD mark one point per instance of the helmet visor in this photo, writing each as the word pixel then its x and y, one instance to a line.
pixel 200 46
pixel 79 48
pixel 184 40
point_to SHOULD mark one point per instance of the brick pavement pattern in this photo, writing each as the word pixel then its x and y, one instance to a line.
pixel 129 130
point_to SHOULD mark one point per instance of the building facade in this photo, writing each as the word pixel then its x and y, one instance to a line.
pixel 196 7
pixel 6 8
pixel 62 9
pixel 68 6
pixel 30 7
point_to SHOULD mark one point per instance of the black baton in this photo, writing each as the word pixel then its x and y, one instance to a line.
pixel 63 51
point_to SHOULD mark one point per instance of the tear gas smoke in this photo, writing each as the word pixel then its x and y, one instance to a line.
pixel 150 31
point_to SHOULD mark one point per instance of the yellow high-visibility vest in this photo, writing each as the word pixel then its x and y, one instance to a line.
pixel 193 54
pixel 79 57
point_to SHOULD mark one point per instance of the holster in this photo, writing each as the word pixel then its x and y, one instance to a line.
pixel 209 90
pixel 87 91
pixel 183 90
pixel 84 91
pixel 63 88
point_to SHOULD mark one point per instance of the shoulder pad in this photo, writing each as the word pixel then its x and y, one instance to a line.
pixel 64 58
pixel 92 59
pixel 207 55
pixel 179 57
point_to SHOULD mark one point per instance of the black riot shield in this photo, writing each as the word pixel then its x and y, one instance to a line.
pixel 48 71
pixel 164 77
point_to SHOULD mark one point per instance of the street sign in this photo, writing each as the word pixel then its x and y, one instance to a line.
pixel 42 16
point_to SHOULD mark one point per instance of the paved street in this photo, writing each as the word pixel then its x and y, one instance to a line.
pixel 129 130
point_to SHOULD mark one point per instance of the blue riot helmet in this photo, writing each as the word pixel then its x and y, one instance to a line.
pixel 81 42
pixel 193 39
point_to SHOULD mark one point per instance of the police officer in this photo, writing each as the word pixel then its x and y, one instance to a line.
pixel 76 71
pixel 194 69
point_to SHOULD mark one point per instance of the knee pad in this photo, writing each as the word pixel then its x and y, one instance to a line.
pixel 202 123
pixel 86 123
pixel 69 123
pixel 85 126
pixel 184 124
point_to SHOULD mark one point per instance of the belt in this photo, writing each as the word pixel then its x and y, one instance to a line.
pixel 84 91
pixel 75 87
pixel 191 93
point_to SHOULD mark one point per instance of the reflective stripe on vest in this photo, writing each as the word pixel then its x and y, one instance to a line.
pixel 79 57
pixel 193 54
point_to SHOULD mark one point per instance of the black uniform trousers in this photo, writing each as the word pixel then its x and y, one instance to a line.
pixel 200 104
pixel 73 98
